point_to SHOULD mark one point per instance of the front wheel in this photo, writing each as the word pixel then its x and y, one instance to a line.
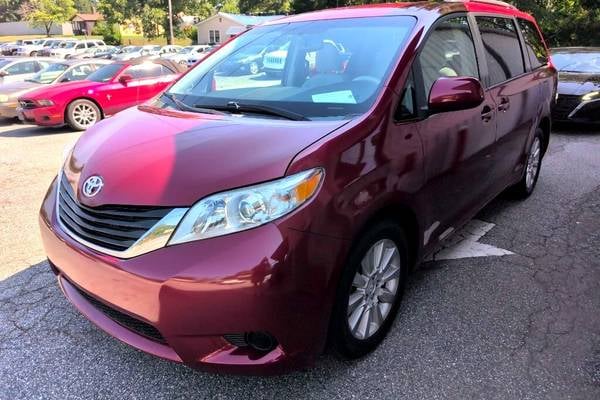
pixel 81 114
pixel 254 68
pixel 370 291
pixel 526 185
pixel 33 54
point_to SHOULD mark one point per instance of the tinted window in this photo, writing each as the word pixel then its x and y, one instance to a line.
pixel 146 70
pixel 22 68
pixel 536 51
pixel 407 109
pixel 105 73
pixel 502 48
pixel 449 51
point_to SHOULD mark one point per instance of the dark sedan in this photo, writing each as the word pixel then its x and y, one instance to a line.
pixel 578 95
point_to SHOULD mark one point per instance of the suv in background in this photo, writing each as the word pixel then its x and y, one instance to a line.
pixel 32 49
pixel 74 47
pixel 240 223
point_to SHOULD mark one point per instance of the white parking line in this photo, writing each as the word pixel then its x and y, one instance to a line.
pixel 465 244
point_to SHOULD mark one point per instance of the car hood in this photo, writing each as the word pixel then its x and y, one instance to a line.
pixel 16 89
pixel 149 156
pixel 49 91
pixel 577 84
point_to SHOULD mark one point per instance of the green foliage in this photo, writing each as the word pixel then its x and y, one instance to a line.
pixel 568 22
pixel 84 6
pixel 110 33
pixel 46 13
pixel 9 10
pixel 265 6
pixel 191 33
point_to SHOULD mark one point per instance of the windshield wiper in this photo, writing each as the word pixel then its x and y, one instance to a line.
pixel 180 105
pixel 235 107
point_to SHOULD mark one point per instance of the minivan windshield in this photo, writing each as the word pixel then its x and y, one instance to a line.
pixel 316 69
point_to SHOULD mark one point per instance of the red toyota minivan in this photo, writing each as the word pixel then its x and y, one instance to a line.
pixel 242 221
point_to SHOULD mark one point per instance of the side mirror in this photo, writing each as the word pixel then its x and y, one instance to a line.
pixel 3 74
pixel 455 93
pixel 124 79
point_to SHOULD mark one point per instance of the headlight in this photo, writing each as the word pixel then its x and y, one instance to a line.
pixel 246 208
pixel 590 96
pixel 45 103
pixel 3 98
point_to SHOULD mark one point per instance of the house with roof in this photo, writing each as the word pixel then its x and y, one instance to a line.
pixel 221 26
pixel 84 23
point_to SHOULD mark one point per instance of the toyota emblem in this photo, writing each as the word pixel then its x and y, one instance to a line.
pixel 92 186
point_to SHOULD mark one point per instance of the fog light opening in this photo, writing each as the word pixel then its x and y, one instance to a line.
pixel 261 341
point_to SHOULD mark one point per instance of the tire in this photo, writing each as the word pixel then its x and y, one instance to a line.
pixel 82 114
pixel 33 54
pixel 359 298
pixel 525 187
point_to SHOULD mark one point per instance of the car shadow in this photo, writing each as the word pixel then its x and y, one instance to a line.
pixel 23 131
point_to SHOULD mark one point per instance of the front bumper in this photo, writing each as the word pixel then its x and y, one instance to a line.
pixel 8 110
pixel 43 116
pixel 572 109
pixel 272 278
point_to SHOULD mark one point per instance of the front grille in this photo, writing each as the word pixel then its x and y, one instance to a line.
pixel 565 104
pixel 27 104
pixel 133 324
pixel 274 60
pixel 111 227
pixel 236 339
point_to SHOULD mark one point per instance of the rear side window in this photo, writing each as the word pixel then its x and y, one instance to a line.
pixel 502 48
pixel 449 51
pixel 536 51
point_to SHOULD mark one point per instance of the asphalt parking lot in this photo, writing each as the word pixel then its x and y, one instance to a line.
pixel 524 325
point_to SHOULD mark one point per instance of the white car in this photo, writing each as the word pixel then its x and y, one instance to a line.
pixel 73 47
pixel 170 49
pixel 199 53
pixel 32 49
pixel 184 53
pixel 131 52
pixel 21 69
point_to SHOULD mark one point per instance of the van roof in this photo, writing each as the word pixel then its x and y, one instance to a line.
pixel 418 9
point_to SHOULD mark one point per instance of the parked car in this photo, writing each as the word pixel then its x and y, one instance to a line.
pixel 6 48
pixel 184 53
pixel 199 53
pixel 105 92
pixel 578 97
pixel 59 72
pixel 18 69
pixel 242 227
pixel 10 49
pixel 75 47
pixel 169 49
pixel 56 43
pixel 275 58
pixel 96 52
pixel 32 49
pixel 247 61
pixel 136 52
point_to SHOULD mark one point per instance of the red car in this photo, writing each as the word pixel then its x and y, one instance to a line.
pixel 105 92
pixel 241 222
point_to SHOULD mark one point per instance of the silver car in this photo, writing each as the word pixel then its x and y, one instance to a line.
pixel 18 69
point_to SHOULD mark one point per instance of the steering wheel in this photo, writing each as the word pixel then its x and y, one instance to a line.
pixel 367 78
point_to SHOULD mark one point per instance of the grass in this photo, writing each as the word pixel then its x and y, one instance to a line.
pixel 136 40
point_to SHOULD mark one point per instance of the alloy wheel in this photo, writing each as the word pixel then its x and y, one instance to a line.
pixel 533 163
pixel 84 115
pixel 374 289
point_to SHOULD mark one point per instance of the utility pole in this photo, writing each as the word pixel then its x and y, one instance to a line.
pixel 171 39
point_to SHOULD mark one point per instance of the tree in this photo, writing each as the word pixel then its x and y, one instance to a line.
pixel 265 6
pixel 46 13
pixel 84 6
pixel 9 10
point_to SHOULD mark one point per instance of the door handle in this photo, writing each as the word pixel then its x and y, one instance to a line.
pixel 487 114
pixel 504 104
